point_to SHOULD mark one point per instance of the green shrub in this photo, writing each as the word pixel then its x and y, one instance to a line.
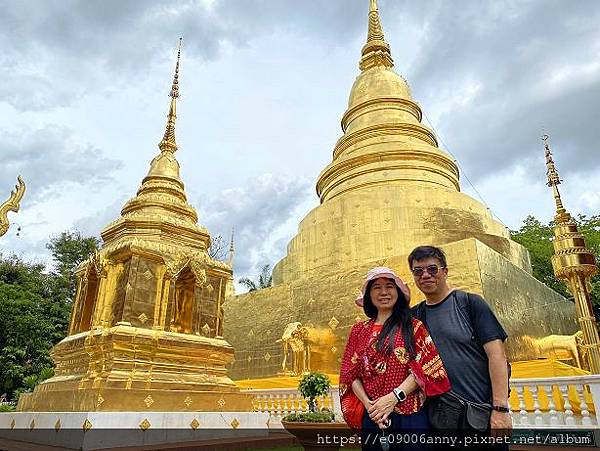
pixel 7 407
pixel 310 417
pixel 313 385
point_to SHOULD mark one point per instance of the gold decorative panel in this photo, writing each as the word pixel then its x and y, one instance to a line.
pixel 148 401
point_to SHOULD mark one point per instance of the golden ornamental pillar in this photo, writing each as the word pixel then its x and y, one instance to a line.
pixel 574 263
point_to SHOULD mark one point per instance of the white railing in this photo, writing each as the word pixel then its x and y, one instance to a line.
pixel 560 402
pixel 279 402
pixel 568 402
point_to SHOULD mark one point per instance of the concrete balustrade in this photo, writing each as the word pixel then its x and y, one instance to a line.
pixel 558 402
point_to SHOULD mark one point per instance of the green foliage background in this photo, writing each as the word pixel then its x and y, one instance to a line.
pixel 34 311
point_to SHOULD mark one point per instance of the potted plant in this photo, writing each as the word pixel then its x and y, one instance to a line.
pixel 316 429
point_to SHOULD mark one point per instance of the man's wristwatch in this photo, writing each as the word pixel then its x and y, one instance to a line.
pixel 501 409
pixel 399 393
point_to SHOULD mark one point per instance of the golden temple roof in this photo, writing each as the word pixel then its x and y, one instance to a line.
pixel 161 203
pixel 384 140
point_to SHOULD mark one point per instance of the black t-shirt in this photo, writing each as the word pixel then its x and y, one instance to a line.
pixel 460 343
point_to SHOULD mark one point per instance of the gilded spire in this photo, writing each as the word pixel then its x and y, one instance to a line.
pixel 376 51
pixel 231 248
pixel 375 30
pixel 168 142
pixel 161 199
pixel 574 263
pixel 562 217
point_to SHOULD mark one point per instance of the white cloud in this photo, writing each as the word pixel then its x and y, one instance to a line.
pixel 263 213
pixel 513 195
pixel 264 85
pixel 49 158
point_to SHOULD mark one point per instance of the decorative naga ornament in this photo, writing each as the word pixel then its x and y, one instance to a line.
pixel 146 326
pixel 574 263
pixel 12 204
pixel 388 189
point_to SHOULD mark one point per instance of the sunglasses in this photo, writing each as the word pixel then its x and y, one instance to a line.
pixel 432 270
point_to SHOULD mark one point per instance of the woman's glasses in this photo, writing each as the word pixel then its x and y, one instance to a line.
pixel 432 270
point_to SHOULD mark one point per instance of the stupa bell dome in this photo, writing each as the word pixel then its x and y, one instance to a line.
pixel 376 83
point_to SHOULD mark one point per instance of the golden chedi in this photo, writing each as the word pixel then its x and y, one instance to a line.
pixel 388 189
pixel 146 327
pixel 575 264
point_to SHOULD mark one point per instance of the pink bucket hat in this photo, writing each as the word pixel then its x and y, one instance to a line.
pixel 382 271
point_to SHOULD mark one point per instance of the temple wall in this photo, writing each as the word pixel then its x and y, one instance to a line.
pixel 369 224
pixel 325 305
pixel 529 309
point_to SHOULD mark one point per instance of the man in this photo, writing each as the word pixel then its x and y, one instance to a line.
pixel 468 336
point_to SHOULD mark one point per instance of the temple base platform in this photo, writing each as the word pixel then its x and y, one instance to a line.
pixel 146 430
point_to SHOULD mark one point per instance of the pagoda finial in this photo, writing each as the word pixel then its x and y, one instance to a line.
pixel 375 30
pixel 168 142
pixel 376 51
pixel 562 216
pixel 231 248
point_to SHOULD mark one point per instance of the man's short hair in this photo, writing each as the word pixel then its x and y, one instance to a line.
pixel 423 252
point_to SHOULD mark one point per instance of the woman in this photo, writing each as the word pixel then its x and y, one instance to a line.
pixel 389 367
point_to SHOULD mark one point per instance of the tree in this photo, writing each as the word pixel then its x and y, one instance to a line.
pixel 249 283
pixel 34 311
pixel 538 237
pixel 265 279
pixel 313 385
pixel 217 248
pixel 33 317
pixel 69 249
pixel 590 227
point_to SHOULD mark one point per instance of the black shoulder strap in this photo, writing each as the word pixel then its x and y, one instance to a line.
pixel 420 311
pixel 464 303
pixel 467 303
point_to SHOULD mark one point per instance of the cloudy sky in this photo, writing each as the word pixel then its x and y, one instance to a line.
pixel 264 83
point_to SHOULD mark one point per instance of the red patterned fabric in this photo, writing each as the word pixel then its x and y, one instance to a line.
pixel 380 374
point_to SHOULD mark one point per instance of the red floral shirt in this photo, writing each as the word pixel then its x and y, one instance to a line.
pixel 380 374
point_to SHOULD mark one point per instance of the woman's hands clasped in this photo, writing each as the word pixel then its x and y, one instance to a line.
pixel 380 409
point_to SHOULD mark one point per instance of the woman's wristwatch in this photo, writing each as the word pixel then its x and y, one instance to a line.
pixel 399 393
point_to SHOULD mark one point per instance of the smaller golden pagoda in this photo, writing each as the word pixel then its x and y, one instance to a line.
pixel 575 264
pixel 12 204
pixel 146 327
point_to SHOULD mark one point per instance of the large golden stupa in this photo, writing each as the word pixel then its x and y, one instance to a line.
pixel 388 189
pixel 146 327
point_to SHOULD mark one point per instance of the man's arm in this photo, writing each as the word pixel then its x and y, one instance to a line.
pixel 499 378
